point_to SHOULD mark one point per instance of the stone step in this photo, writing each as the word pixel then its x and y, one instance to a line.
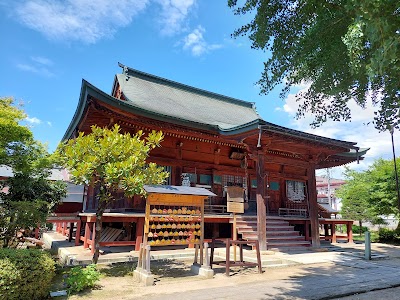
pixel 283 232
pixel 269 233
pixel 287 244
pixel 285 238
pixel 280 228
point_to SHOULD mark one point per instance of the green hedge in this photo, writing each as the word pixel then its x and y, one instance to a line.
pixel 388 235
pixel 25 274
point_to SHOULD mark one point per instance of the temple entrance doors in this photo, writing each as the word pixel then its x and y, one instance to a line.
pixel 273 196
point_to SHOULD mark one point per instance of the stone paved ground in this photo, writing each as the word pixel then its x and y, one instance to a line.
pixel 329 280
pixel 336 272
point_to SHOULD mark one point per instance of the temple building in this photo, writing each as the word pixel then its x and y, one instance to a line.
pixel 214 141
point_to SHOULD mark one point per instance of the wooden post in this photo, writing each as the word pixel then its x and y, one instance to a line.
pixel 196 253
pixel 202 232
pixel 228 258
pixel 333 231
pixel 140 259
pixel 71 231
pixel 93 237
pixel 87 235
pixel 64 228
pixel 261 209
pixel 78 232
pixel 307 230
pixel 312 194
pixel 139 233
pixel 207 257
pixel 148 259
pixel 234 236
pixel 349 231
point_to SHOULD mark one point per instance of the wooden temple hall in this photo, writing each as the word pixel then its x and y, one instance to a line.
pixel 214 142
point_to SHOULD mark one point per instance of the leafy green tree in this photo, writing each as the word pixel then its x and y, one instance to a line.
pixel 30 196
pixel 345 49
pixel 112 161
pixel 355 195
pixel 383 194
pixel 11 132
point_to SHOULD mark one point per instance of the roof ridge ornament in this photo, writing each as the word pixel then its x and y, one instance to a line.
pixel 125 72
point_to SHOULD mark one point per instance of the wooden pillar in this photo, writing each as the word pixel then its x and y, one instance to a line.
pixel 215 230
pixel 93 239
pixel 64 229
pixel 139 233
pixel 307 230
pixel 177 179
pixel 312 200
pixel 78 232
pixel 349 228
pixel 87 235
pixel 261 209
pixel 71 231
pixel 333 231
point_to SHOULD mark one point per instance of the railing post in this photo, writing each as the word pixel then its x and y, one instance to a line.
pixel 196 253
pixel 140 260
pixel 207 257
pixel 148 258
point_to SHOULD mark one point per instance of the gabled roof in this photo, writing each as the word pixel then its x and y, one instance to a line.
pixel 164 100
pixel 180 101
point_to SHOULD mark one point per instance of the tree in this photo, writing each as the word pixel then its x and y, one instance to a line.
pixel 112 161
pixel 30 196
pixel 347 50
pixel 11 132
pixel 355 197
pixel 383 196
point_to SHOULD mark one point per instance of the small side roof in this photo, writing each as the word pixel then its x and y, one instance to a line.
pixel 327 208
pixel 178 190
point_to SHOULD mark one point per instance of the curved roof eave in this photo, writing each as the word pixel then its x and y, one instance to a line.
pixel 89 89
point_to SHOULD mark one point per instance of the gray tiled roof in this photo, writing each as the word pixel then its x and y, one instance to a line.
pixel 179 190
pixel 176 100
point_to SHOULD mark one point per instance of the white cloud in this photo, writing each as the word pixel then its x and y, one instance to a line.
pixel 42 60
pixel 33 120
pixel 78 20
pixel 49 123
pixel 196 44
pixel 357 130
pixel 38 65
pixel 174 14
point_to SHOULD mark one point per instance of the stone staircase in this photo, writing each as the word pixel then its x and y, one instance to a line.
pixel 280 235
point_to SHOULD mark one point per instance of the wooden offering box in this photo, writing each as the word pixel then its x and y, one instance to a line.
pixel 174 215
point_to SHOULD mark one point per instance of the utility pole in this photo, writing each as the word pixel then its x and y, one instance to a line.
pixel 395 168
pixel 328 177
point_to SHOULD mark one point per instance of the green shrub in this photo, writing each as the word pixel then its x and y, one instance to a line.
pixel 25 274
pixel 386 235
pixel 79 278
pixel 356 229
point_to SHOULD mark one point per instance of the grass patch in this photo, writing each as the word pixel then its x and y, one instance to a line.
pixel 361 238
pixel 118 269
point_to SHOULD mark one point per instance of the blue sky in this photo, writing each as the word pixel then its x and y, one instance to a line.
pixel 49 46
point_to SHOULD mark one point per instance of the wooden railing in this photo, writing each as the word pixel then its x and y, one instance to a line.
pixel 215 209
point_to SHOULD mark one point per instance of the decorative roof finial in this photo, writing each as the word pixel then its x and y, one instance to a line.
pixel 125 72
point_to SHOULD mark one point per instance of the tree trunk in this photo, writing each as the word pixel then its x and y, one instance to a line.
pixel 360 230
pixel 102 203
